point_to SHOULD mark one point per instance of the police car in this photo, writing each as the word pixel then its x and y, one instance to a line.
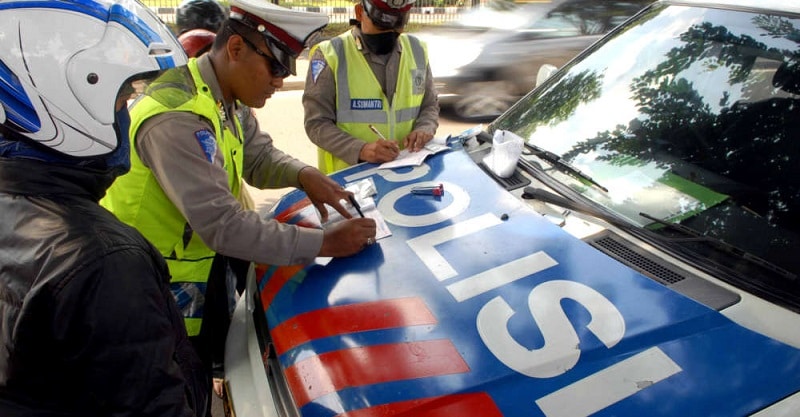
pixel 640 259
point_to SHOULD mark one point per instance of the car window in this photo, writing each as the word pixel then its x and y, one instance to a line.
pixel 690 115
pixel 556 19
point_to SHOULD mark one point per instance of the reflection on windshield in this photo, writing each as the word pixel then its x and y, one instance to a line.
pixel 690 115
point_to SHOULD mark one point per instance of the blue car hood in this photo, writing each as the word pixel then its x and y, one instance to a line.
pixel 478 306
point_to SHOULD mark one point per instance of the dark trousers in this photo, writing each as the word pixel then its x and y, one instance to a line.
pixel 210 342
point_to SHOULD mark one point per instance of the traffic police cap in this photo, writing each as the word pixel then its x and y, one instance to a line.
pixel 388 14
pixel 285 31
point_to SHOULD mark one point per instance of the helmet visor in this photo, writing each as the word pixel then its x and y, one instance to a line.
pixel 383 19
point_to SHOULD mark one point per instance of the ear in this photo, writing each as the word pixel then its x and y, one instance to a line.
pixel 359 9
pixel 234 47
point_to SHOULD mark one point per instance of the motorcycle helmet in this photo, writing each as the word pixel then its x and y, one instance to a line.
pixel 199 14
pixel 197 41
pixel 65 64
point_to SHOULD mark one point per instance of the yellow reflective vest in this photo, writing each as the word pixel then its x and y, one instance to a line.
pixel 360 100
pixel 137 199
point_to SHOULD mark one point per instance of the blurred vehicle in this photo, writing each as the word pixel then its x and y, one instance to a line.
pixel 488 58
pixel 640 260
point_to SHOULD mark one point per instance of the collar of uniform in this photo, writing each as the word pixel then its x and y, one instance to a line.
pixel 206 69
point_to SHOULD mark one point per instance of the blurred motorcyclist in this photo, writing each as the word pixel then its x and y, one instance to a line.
pixel 88 325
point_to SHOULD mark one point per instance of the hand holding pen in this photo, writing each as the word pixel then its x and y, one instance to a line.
pixel 382 150
pixel 356 205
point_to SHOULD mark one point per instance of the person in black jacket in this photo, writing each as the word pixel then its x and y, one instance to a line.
pixel 88 325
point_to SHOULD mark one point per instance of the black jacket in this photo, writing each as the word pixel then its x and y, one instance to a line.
pixel 88 326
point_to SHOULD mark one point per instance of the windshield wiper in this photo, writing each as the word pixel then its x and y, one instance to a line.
pixel 724 246
pixel 533 193
pixel 562 165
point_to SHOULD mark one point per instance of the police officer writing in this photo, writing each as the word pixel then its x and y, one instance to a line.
pixel 88 326
pixel 373 75
pixel 194 138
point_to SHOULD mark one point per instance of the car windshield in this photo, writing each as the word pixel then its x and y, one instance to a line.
pixel 688 115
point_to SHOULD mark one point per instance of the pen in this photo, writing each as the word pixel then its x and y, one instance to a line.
pixel 355 204
pixel 377 132
pixel 437 190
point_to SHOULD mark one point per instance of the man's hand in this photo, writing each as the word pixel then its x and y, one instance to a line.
pixel 322 190
pixel 416 140
pixel 379 151
pixel 348 237
pixel 218 386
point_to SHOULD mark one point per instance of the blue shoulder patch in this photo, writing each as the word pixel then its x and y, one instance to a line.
pixel 208 143
pixel 317 65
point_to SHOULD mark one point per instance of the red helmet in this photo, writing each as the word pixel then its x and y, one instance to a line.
pixel 196 41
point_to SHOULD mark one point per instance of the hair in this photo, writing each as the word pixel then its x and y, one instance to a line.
pixel 227 30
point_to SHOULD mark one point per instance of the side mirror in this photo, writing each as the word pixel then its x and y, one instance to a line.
pixel 545 71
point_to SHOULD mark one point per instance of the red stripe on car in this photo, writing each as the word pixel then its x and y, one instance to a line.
pixel 329 372
pixel 471 404
pixel 276 281
pixel 351 318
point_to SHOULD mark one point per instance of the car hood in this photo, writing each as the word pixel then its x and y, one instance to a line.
pixel 477 305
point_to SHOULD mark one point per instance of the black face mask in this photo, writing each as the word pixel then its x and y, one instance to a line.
pixel 381 43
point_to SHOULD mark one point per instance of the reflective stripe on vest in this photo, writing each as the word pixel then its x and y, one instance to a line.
pixel 360 100
pixel 137 199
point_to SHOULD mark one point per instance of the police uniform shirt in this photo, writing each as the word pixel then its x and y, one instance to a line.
pixel 168 145
pixel 319 101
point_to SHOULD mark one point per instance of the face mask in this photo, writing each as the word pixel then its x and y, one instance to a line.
pixel 381 43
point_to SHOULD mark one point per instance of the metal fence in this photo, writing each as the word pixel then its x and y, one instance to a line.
pixel 425 12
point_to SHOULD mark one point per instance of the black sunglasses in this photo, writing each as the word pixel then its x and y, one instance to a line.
pixel 276 68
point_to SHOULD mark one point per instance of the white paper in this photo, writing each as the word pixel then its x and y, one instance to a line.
pixel 407 158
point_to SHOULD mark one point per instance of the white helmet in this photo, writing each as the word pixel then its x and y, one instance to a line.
pixel 63 64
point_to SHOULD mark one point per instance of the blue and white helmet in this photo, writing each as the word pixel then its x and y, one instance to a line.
pixel 63 64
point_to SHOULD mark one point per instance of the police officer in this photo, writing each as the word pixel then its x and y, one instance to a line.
pixel 88 326
pixel 374 75
pixel 193 140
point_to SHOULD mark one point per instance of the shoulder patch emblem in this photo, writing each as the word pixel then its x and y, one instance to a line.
pixel 317 65
pixel 208 143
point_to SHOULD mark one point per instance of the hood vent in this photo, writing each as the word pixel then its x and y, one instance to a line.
pixel 516 180
pixel 650 265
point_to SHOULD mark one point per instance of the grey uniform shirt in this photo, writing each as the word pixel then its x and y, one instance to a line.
pixel 167 144
pixel 319 101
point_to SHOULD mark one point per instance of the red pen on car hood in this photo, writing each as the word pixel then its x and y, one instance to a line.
pixel 436 190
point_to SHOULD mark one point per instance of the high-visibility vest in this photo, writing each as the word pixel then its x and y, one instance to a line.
pixel 360 100
pixel 137 199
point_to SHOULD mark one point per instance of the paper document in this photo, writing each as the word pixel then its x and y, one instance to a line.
pixel 368 208
pixel 407 158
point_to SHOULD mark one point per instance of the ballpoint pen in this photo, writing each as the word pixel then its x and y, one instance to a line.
pixel 355 204
pixel 377 132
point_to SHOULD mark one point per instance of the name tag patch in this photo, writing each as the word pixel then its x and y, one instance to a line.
pixel 366 104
